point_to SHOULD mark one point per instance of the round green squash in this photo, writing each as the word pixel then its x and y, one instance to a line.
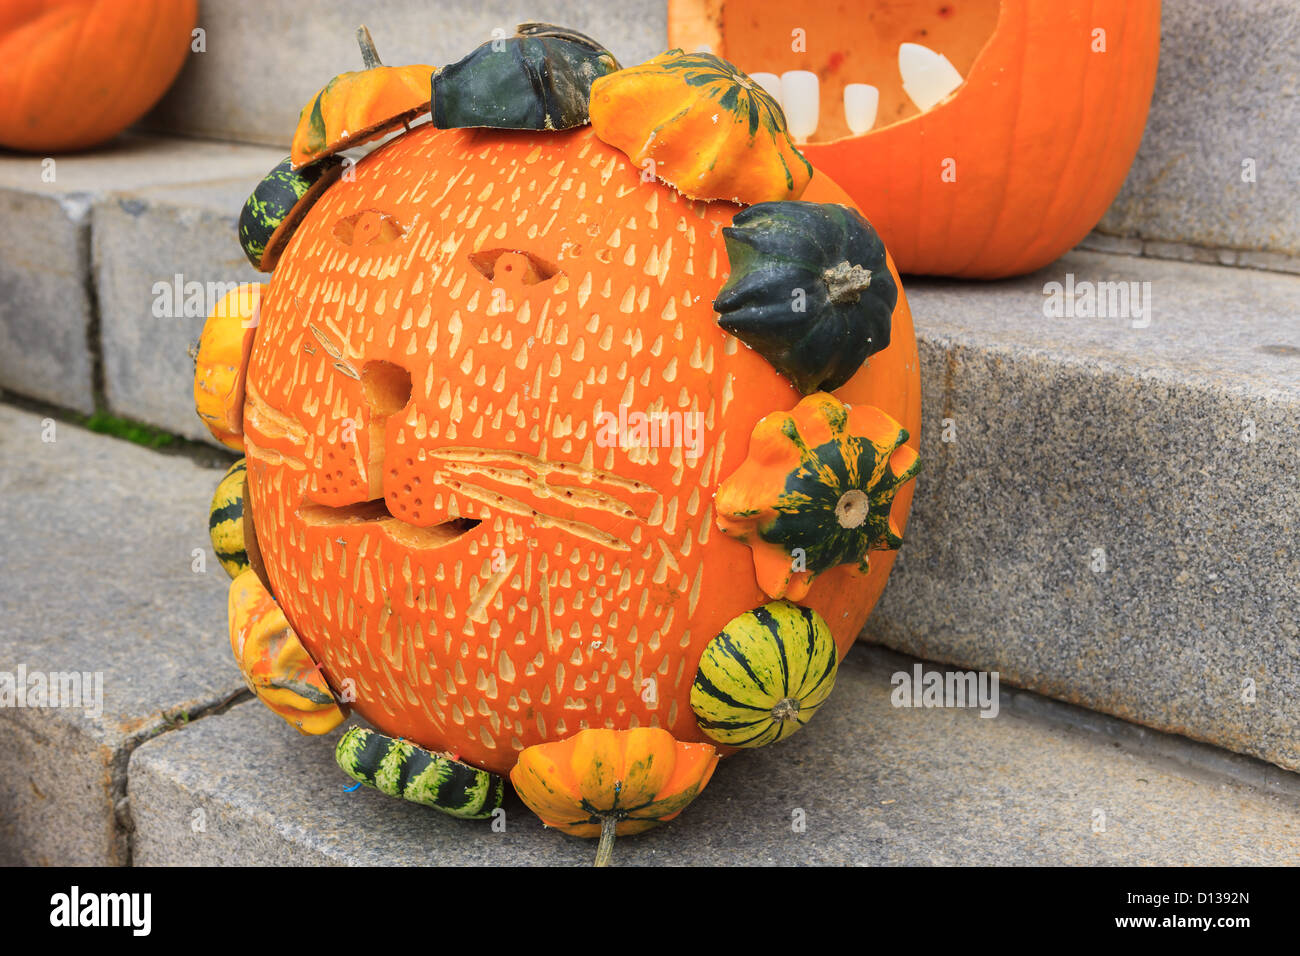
pixel 809 290
pixel 277 205
pixel 226 521
pixel 765 675
pixel 401 769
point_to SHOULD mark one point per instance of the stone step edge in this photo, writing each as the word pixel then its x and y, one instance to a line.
pixel 1096 240
pixel 1260 260
pixel 119 766
pixel 1204 759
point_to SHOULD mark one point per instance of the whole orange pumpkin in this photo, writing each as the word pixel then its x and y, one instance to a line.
pixel 74 73
pixel 1005 174
pixel 471 567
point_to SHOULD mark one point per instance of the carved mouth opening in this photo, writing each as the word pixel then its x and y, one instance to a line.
pixel 376 512
pixel 775 36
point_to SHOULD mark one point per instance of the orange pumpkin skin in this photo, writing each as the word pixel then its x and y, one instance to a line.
pixel 595 575
pixel 1039 138
pixel 74 73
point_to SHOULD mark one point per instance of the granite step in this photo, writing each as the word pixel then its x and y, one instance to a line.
pixel 108 575
pixel 866 783
pixel 53 303
pixel 1108 509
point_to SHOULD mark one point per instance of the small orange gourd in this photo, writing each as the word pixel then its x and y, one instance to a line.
pixel 603 783
pixel 359 106
pixel 699 124
pixel 273 661
pixel 221 361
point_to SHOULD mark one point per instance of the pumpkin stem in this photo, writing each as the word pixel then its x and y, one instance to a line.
pixel 845 283
pixel 605 849
pixel 369 55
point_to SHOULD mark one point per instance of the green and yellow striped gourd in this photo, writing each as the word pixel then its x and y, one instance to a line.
pixel 401 769
pixel 226 521
pixel 764 676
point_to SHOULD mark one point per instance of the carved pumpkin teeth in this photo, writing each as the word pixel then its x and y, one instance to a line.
pixel 770 82
pixel 801 100
pixel 928 77
pixel 860 104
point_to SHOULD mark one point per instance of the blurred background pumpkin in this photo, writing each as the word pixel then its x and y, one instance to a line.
pixel 74 73
pixel 996 176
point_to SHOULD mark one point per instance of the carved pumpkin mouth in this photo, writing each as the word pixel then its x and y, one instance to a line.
pixel 375 513
pixel 772 37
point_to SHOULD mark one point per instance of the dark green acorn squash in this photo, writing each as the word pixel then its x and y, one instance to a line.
pixel 278 204
pixel 809 290
pixel 540 78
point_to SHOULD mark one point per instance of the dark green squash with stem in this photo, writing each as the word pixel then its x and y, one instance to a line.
pixel 540 78
pixel 809 290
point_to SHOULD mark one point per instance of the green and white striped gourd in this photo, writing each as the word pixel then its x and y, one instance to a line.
pixel 401 769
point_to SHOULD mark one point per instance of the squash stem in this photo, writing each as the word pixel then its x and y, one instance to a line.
pixel 369 55
pixel 605 849
pixel 845 282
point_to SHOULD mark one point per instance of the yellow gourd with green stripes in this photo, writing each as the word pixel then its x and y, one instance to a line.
pixel 226 521
pixel 765 675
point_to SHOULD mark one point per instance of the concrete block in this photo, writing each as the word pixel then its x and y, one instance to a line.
pixel 266 58
pixel 100 542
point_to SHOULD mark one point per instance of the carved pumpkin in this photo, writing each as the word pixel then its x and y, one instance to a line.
pixel 77 72
pixel 443 521
pixel 697 123
pixel 356 107
pixel 603 783
pixel 1002 176
pixel 486 409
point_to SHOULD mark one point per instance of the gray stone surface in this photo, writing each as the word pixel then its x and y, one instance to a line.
pixel 97 577
pixel 266 58
pixel 1228 90
pixel 877 784
pixel 148 237
pixel 48 316
pixel 1078 441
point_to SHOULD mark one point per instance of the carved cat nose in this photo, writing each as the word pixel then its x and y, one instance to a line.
pixel 512 267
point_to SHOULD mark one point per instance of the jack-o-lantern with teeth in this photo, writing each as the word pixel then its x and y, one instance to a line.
pixel 578 427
